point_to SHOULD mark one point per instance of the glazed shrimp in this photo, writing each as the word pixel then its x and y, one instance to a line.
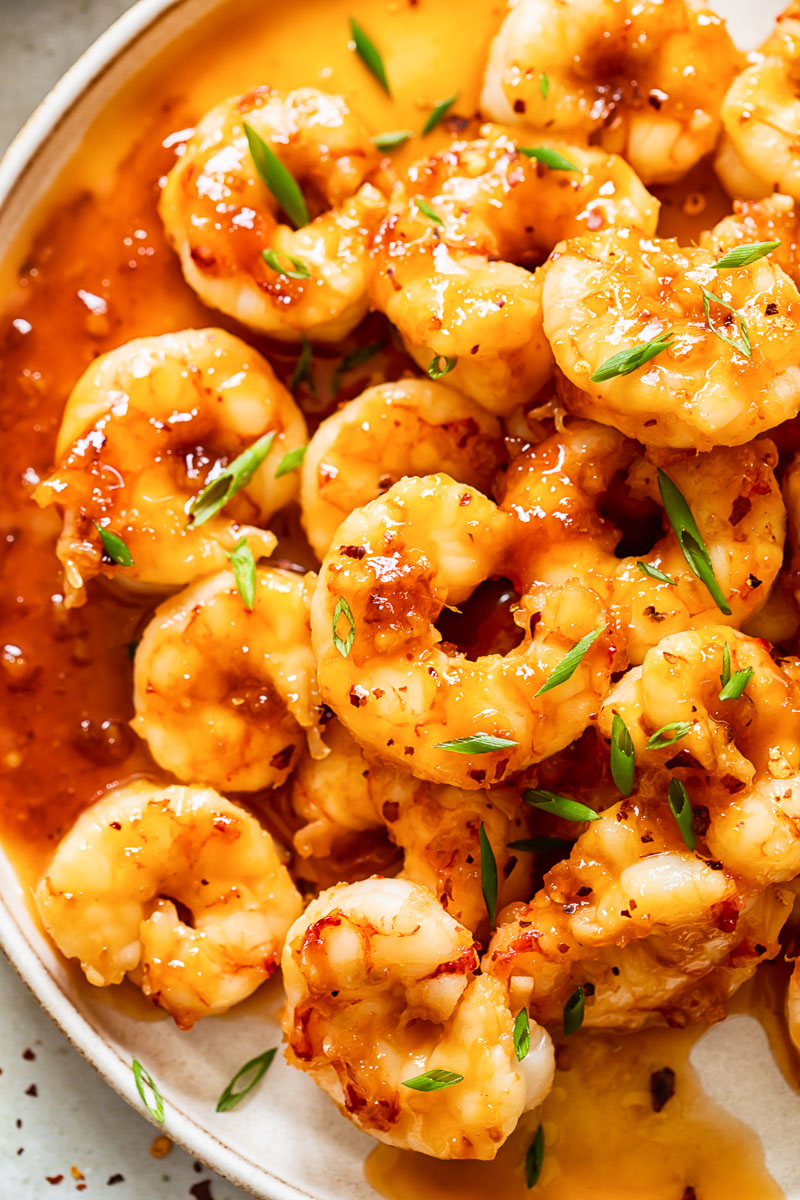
pixel 411 427
pixel 555 490
pixel 114 895
pixel 646 78
pixel 436 827
pixel 221 217
pixel 611 292
pixel 454 285
pixel 392 568
pixel 773 219
pixel 761 116
pixel 225 695
pixel 381 988
pixel 145 428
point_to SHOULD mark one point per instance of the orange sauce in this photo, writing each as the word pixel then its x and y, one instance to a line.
pixel 92 272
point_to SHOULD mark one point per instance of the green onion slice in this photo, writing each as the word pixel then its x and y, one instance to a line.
pixel 669 734
pixel 573 1012
pixel 690 540
pixel 488 876
pixel 370 55
pixel 550 158
pixel 623 756
pixel 726 665
pixel 392 140
pixel 534 1158
pixel 743 344
pixel 654 573
pixel 273 259
pixel 559 806
pixel 277 178
pixel 627 361
pixel 571 661
pixel 244 572
pixel 343 644
pixel 522 1034
pixel 355 358
pixel 154 1101
pixel 544 86
pixel 432 1081
pixel 114 547
pixel 216 494
pixel 682 811
pixel 736 685
pixel 291 460
pixel 253 1072
pixel 438 112
pixel 302 370
pixel 440 366
pixel 477 743
pixel 742 256
pixel 427 211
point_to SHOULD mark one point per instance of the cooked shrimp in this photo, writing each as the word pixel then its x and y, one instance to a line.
pixel 221 217
pixel 436 827
pixel 611 292
pixel 225 695
pixel 761 115
pixel 793 1006
pixel 116 892
pixel 381 988
pixel 411 427
pixel 752 221
pixel 145 428
pixel 645 77
pixel 555 489
pixel 392 568
pixel 454 284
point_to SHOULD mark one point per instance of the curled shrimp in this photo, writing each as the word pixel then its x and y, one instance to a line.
pixel 436 827
pixel 380 989
pixel 411 427
pixel 227 695
pixel 221 217
pixel 144 429
pixel 774 219
pixel 761 116
pixel 556 489
pixel 121 881
pixel 644 77
pixel 720 378
pixel 392 568
pixel 455 283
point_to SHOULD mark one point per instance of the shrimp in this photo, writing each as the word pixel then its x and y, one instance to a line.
pixel 410 427
pixel 555 490
pixel 644 77
pixel 392 568
pixel 122 881
pixel 792 1006
pixel 724 377
pixel 773 219
pixel 221 217
pixel 225 695
pixel 145 428
pixel 436 827
pixel 380 989
pixel 454 284
pixel 761 116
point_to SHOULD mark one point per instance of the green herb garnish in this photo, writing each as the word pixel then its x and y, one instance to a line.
pixel 343 644
pixel 544 86
pixel 742 256
pixel 682 811
pixel 742 344
pixel 550 158
pixel 573 1012
pixel 114 547
pixel 488 876
pixel 427 211
pixel 477 743
pixel 623 756
pixel 534 1158
pixel 216 494
pixel 277 178
pixel 302 369
pixel 354 359
pixel 660 739
pixel 392 140
pixel 256 1069
pixel 154 1103
pixel 273 259
pixel 692 546
pixel 244 572
pixel 654 573
pixel 627 361
pixel 522 1034
pixel 370 55
pixel 736 685
pixel 440 365
pixel 571 661
pixel 438 112
pixel 559 806
pixel 291 460
pixel 432 1081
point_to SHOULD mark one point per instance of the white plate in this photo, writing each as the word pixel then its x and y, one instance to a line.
pixel 288 1142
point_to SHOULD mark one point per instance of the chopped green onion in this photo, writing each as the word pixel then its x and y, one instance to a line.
pixel 256 1068
pixel 623 756
pixel 392 140
pixel 216 494
pixel 369 54
pixel 627 361
pixel 660 740
pixel 541 845
pixel 291 460
pixel 438 112
pixel 488 876
pixel 302 370
pixel 432 1081
pixel 277 178
pixel 440 366
pixel 272 259
pixel 355 358
pixel 244 572
pixel 154 1103
pixel 534 1158
pixel 477 743
pixel 742 256
pixel 427 211
pixel 114 547
pixel 343 644
pixel 573 1012
pixel 692 546
pixel 559 806
pixel 736 685
pixel 726 664
pixel 654 573
pixel 522 1034
pixel 571 661
pixel 742 344
pixel 682 811
pixel 550 158
pixel 544 86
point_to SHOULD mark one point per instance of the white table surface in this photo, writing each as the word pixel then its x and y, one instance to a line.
pixel 74 1120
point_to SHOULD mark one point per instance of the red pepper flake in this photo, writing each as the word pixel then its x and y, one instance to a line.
pixel 54 1179
pixel 112 1179
pixel 32 1090
pixel 29 1055
pixel 202 1190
